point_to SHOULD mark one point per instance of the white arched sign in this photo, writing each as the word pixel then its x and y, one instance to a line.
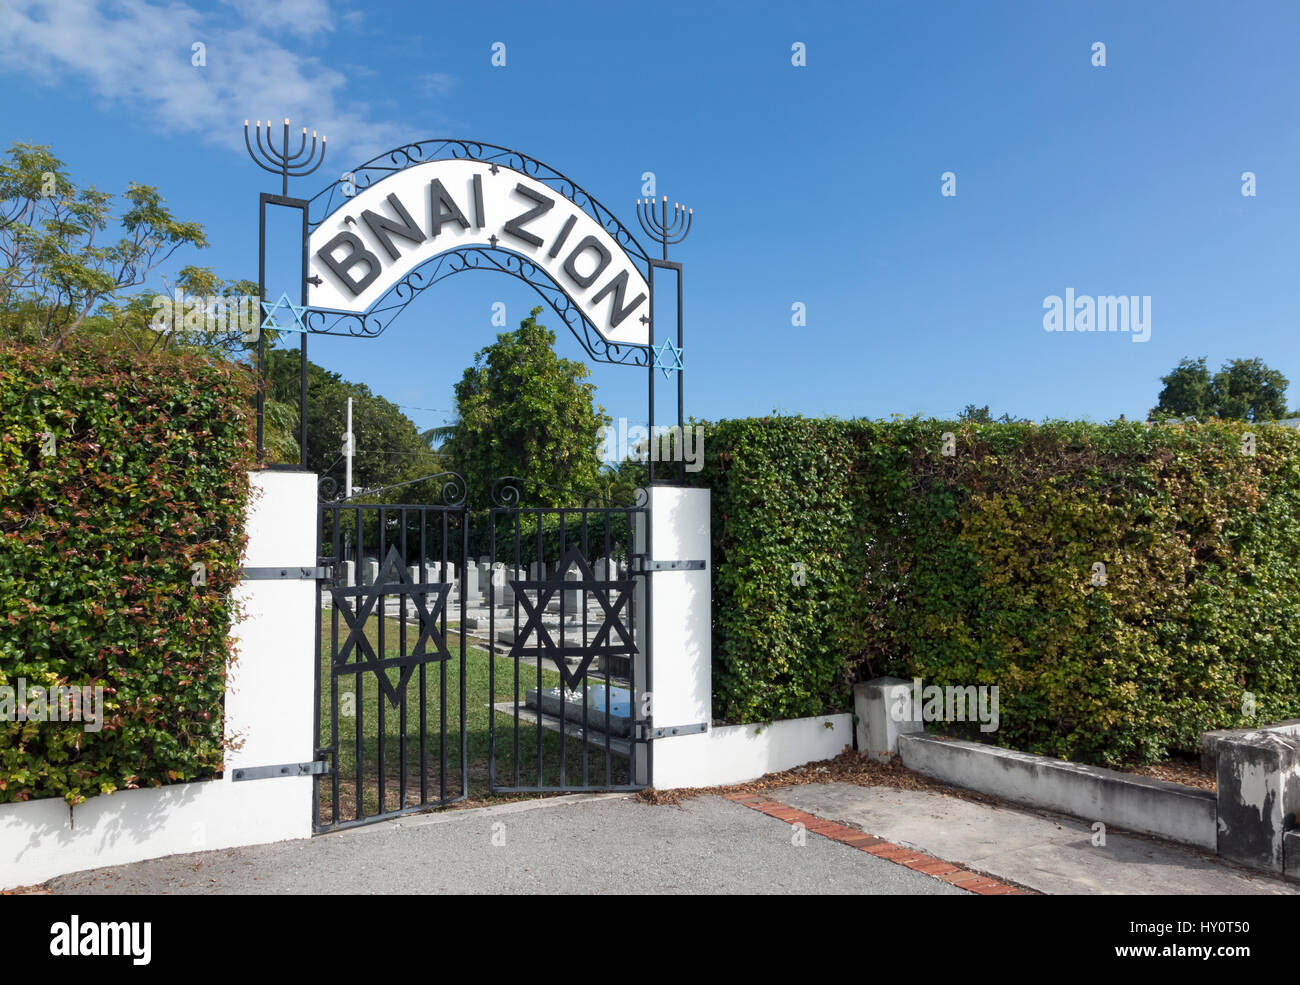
pixel 359 252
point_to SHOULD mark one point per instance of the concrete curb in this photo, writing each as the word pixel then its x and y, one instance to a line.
pixel 1123 800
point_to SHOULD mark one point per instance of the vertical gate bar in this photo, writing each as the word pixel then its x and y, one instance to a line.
pixel 582 601
pixel 564 657
pixel 442 679
pixel 360 683
pixel 381 726
pixel 464 557
pixel 537 598
pixel 609 684
pixel 492 665
pixel 334 677
pixel 538 662
pixel 514 618
pixel 401 652
pixel 424 579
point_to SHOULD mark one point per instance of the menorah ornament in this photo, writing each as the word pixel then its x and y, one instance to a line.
pixel 280 161
pixel 661 228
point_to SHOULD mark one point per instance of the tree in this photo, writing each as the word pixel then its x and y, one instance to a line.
pixel 1246 389
pixel 56 270
pixel 524 411
pixel 388 445
pixel 1243 389
pixel 1188 391
pixel 977 415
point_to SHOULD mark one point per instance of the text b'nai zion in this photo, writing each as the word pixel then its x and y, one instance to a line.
pixel 1108 313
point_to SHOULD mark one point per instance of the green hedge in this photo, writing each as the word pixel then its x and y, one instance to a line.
pixel 147 476
pixel 977 569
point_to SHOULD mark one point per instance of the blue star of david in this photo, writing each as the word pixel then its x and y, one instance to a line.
pixel 663 353
pixel 296 310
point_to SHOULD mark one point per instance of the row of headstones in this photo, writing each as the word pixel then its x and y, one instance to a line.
pixel 479 576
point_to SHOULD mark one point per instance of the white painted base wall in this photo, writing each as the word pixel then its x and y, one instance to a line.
pixel 738 753
pixel 269 697
pixel 682 654
pixel 42 838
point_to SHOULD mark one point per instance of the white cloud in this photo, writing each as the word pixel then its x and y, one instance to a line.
pixel 437 83
pixel 135 55
pixel 300 17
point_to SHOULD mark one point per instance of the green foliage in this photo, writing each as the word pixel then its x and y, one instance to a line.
pixel 524 411
pixel 1243 389
pixel 389 449
pixel 147 477
pixel 977 569
pixel 57 270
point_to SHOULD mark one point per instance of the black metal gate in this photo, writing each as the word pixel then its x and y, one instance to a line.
pixel 444 675
pixel 568 699
pixel 391 681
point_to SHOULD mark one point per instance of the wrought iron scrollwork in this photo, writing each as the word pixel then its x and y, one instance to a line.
pixel 460 260
pixel 508 492
pixel 332 197
pixel 454 488
pixel 451 486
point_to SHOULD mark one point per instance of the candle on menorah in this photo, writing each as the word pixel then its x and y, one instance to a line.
pixel 281 161
pixel 661 228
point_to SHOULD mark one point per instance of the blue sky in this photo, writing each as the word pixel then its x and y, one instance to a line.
pixel 817 184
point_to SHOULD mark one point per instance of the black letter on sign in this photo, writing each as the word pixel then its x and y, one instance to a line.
pixel 381 226
pixel 571 264
pixel 342 266
pixel 478 201
pixel 618 286
pixel 515 227
pixel 443 209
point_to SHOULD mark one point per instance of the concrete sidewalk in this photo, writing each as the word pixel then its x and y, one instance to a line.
pixel 1046 852
pixel 570 845
pixel 615 844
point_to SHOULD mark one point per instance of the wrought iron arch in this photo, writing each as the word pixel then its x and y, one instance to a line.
pixel 469 258
pixel 664 229
pixel 332 197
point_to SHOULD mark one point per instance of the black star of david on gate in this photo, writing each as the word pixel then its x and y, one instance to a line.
pixel 356 619
pixel 546 645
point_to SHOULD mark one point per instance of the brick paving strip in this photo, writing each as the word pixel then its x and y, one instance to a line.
pixel 936 868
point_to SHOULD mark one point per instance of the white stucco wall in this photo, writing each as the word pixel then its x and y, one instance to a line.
pixel 268 705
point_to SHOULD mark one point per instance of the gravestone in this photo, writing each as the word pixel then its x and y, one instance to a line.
pixel 369 571
pixel 507 590
pixel 443 572
pixel 572 596
pixel 469 585
pixel 349 574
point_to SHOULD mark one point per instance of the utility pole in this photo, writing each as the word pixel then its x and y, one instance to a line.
pixel 349 444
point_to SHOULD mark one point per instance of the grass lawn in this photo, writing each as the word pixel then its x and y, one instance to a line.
pixel 441 689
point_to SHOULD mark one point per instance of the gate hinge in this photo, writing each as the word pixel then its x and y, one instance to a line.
pixel 275 574
pixel 668 731
pixel 648 565
pixel 316 767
